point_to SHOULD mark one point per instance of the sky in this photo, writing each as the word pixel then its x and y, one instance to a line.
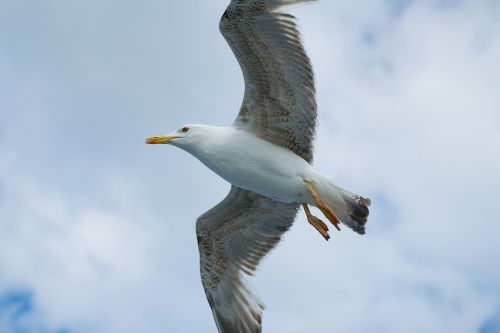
pixel 97 229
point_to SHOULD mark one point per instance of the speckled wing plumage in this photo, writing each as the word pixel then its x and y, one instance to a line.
pixel 279 106
pixel 279 103
pixel 232 239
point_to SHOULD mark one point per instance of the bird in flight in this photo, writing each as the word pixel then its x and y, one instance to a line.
pixel 266 155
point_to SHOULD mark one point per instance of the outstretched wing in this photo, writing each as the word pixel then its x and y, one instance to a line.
pixel 232 239
pixel 279 104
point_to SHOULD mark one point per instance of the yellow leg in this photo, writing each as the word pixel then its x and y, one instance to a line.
pixel 327 211
pixel 316 223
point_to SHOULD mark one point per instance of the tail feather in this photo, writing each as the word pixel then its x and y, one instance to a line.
pixel 351 209
pixel 356 212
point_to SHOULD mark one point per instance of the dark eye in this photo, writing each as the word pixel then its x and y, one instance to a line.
pixel 184 129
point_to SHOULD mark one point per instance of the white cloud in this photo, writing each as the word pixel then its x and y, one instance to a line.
pixel 90 268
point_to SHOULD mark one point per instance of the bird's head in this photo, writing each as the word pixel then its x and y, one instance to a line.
pixel 185 137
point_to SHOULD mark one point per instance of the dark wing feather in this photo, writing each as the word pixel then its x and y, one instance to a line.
pixel 279 103
pixel 232 239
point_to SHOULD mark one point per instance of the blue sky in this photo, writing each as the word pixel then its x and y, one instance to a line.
pixel 97 229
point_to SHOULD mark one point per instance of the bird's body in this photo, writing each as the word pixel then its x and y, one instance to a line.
pixel 253 164
pixel 256 165
pixel 266 156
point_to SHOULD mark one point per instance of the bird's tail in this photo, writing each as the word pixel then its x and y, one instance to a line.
pixel 351 209
pixel 355 212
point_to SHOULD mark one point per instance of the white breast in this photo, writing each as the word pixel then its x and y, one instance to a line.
pixel 256 165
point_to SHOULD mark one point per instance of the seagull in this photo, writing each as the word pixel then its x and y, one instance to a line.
pixel 266 155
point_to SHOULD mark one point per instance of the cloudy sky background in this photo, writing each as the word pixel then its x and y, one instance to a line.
pixel 97 229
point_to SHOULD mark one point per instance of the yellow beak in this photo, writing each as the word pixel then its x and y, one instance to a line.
pixel 160 139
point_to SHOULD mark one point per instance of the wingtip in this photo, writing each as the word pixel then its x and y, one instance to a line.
pixel 274 4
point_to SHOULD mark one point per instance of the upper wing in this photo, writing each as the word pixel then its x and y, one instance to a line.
pixel 232 239
pixel 279 104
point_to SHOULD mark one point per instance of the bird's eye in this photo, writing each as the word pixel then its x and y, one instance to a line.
pixel 184 129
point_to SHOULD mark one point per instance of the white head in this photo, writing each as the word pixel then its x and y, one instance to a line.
pixel 190 138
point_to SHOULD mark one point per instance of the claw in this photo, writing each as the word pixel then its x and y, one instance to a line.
pixel 316 223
